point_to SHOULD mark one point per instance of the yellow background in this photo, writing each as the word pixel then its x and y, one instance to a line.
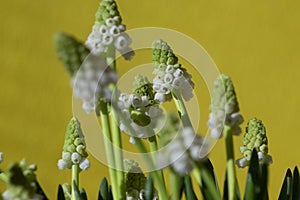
pixel 256 42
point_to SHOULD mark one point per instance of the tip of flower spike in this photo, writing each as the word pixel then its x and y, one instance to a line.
pixel 74 150
pixel 162 53
pixel 255 138
pixel 70 51
pixel 224 108
pixel 108 13
pixel 143 87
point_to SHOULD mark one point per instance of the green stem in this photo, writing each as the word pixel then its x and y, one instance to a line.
pixel 153 148
pixel 187 122
pixel 117 141
pixel 162 192
pixel 231 174
pixel 108 148
pixel 182 110
pixel 176 183
pixel 75 179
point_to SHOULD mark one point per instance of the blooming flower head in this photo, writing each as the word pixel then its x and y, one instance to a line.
pixel 169 75
pixel 224 108
pixel 140 108
pixel 74 150
pixel 92 82
pixel 70 51
pixel 255 137
pixel 180 147
pixel 135 180
pixel 109 31
pixel 21 182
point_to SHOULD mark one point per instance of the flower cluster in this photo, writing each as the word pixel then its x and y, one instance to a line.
pixel 169 75
pixel 255 137
pixel 92 82
pixel 224 108
pixel 109 31
pixel 135 181
pixel 74 150
pixel 22 183
pixel 184 150
pixel 140 108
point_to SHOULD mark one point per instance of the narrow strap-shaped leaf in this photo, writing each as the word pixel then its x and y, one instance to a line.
pixel 225 193
pixel 296 184
pixel 60 193
pixel 204 190
pixel 103 190
pixel 253 182
pixel 264 183
pixel 149 189
pixel 40 191
pixel 286 189
pixel 76 191
pixel 110 195
pixel 83 194
pixel 189 191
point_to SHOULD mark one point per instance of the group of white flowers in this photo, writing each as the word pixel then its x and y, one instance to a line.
pixel 142 115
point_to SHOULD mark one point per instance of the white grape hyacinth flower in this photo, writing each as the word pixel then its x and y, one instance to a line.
pixel 183 151
pixel 92 82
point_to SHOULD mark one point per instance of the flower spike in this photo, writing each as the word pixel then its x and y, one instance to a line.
pixel 70 51
pixel 109 31
pixel 169 75
pixel 74 150
pixel 224 108
pixel 255 137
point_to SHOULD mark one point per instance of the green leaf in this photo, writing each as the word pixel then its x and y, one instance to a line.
pixel 189 191
pixel 149 189
pixel 264 183
pixel 60 193
pixel 40 191
pixel 225 194
pixel 296 184
pixel 205 192
pixel 286 188
pixel 76 191
pixel 83 194
pixel 253 185
pixel 103 191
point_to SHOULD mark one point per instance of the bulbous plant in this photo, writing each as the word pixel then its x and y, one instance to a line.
pixel 92 67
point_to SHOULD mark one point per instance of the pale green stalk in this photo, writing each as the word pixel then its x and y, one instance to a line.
pixel 116 138
pixel 162 192
pixel 231 173
pixel 108 149
pixel 153 148
pixel 186 122
pixel 115 129
pixel 75 179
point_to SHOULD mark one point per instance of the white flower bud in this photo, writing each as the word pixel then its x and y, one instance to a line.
pixel 103 29
pixel 109 21
pixel 62 164
pixel 85 164
pixel 76 158
pixel 114 30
